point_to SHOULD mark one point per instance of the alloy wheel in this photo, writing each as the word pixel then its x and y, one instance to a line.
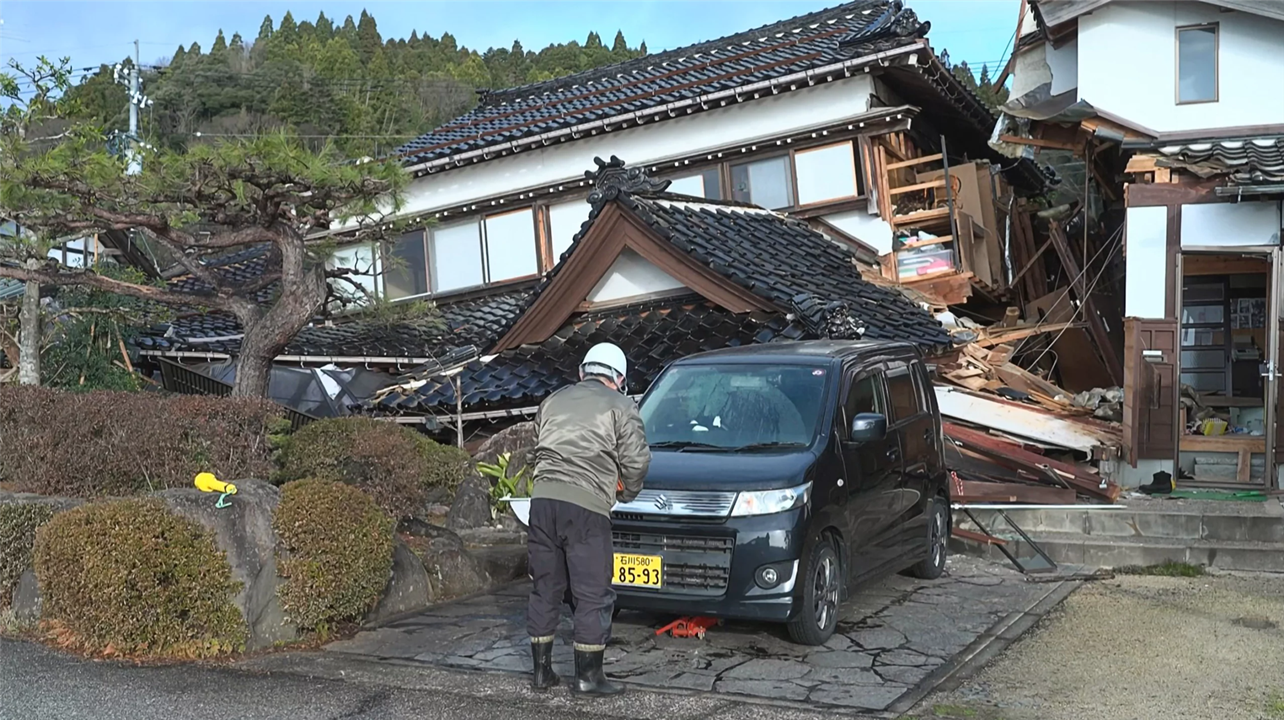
pixel 826 587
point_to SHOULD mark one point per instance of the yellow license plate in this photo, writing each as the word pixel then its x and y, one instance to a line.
pixel 638 570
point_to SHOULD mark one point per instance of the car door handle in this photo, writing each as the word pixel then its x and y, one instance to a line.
pixel 893 454
pixel 927 434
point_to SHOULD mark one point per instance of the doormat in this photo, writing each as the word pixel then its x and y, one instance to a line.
pixel 1237 495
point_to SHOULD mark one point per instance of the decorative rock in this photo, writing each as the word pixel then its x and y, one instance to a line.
pixel 451 569
pixel 26 599
pixel 409 588
pixel 243 530
pixel 471 508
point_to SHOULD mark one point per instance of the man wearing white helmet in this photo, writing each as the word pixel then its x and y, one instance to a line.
pixel 591 451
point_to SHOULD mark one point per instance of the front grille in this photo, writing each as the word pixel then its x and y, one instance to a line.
pixel 695 564
pixel 679 502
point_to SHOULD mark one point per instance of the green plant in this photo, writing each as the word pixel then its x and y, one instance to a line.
pixel 18 524
pixel 503 484
pixel 103 444
pixel 336 553
pixel 130 577
pixel 398 467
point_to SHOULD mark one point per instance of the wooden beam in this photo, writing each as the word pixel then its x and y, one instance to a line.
pixel 1011 454
pixel 1197 264
pixel 982 538
pixel 1030 263
pixel 1096 326
pixel 913 162
pixel 1002 338
pixel 1222 443
pixel 1141 164
pixel 1039 142
pixel 1172 194
pixel 919 186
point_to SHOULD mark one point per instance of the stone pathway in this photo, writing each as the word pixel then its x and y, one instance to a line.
pixel 890 638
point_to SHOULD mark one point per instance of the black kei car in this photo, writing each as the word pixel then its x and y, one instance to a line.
pixel 782 477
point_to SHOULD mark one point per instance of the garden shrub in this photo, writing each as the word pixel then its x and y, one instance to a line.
pixel 336 553
pixel 18 524
pixel 130 577
pixel 102 444
pixel 398 467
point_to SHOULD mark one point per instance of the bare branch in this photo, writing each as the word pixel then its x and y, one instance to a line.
pixel 50 275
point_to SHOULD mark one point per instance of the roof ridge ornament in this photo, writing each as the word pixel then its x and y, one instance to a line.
pixel 896 21
pixel 612 179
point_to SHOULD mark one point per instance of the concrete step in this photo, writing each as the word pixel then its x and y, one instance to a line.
pixel 1114 551
pixel 1263 524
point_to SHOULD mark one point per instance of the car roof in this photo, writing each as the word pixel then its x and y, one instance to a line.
pixel 805 352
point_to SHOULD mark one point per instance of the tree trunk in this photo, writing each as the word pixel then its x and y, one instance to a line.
pixel 29 336
pixel 253 374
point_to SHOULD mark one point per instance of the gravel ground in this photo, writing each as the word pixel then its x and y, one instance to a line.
pixel 1137 648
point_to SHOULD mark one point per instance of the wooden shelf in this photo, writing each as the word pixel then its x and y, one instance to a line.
pixel 922 243
pixel 941 213
pixel 916 161
pixel 920 186
pixel 1223 443
pixel 925 277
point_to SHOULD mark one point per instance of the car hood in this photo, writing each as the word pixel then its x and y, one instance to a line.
pixel 672 470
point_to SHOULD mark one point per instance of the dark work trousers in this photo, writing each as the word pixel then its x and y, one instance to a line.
pixel 570 547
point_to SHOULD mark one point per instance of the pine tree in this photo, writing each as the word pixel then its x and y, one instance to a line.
pixel 594 40
pixel 619 47
pixel 194 50
pixel 642 48
pixel 368 40
pixel 324 28
pixel 288 30
pixel 220 44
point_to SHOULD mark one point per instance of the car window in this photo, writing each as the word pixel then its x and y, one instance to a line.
pixel 902 393
pixel 734 406
pixel 865 396
pixel 923 386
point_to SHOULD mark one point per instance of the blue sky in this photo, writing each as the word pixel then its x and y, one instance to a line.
pixel 103 31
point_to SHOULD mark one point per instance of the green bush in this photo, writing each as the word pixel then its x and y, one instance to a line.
pixel 398 467
pixel 130 577
pixel 336 553
pixel 18 524
pixel 105 444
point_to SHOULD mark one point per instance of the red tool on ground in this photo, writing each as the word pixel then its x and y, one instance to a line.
pixel 685 627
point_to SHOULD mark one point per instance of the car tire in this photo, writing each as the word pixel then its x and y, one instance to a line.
pixel 938 538
pixel 820 596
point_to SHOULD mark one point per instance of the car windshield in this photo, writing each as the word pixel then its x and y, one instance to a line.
pixel 715 408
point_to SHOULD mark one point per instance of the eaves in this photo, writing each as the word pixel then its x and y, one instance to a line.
pixel 710 101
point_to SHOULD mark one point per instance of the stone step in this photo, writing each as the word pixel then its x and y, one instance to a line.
pixel 1152 523
pixel 1100 551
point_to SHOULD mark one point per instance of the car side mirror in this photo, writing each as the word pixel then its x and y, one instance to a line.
pixel 867 427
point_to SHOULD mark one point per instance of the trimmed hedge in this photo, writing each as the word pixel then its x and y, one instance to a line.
pixel 18 524
pixel 401 469
pixel 130 577
pixel 104 444
pixel 336 553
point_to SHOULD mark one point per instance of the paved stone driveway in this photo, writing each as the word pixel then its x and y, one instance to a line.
pixel 890 638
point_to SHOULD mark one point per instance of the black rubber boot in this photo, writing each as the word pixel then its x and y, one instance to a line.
pixel 589 678
pixel 545 679
pixel 1161 483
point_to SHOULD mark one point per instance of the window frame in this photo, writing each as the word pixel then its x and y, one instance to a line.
pixel 854 378
pixel 896 365
pixel 790 177
pixel 857 177
pixel 1217 62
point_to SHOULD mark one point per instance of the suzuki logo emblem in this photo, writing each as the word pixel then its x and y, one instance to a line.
pixel 662 503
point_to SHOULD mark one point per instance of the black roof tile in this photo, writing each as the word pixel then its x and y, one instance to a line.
pixel 789 46
pixel 1246 160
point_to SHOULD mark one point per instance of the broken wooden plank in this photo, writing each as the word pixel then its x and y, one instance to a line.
pixel 1021 333
pixel 976 491
pixel 1024 421
pixel 1243 465
pixel 1223 443
pixel 1013 455
pixel 1038 142
pixel 913 162
pixel 1096 326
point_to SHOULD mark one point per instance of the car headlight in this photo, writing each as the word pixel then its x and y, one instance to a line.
pixel 767 502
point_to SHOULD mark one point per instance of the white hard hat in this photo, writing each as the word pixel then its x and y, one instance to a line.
pixel 608 355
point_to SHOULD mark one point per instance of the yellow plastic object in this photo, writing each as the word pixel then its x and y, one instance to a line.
pixel 206 482
pixel 1213 426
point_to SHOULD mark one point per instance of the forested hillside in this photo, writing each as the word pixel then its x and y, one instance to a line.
pixel 329 79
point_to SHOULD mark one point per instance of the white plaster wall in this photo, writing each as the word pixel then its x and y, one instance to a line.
pixel 746 122
pixel 1146 262
pixel 1127 65
pixel 869 229
pixel 1064 64
pixel 632 275
pixel 1229 224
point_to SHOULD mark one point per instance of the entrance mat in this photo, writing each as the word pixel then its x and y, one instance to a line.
pixel 1236 495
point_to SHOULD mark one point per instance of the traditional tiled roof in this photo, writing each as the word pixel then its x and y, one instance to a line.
pixel 651 334
pixel 238 267
pixel 797 45
pixel 1245 161
pixel 784 261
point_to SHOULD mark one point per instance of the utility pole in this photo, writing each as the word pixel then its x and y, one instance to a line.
pixel 137 101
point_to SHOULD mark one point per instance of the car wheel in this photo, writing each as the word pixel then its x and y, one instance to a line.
pixel 821 590
pixel 938 537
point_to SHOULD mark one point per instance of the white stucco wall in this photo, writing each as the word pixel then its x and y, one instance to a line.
pixel 1064 64
pixel 1127 65
pixel 1230 224
pixel 1146 262
pixel 632 275
pixel 746 122
pixel 872 230
pixel 1039 64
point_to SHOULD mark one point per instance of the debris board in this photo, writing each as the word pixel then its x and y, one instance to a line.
pixel 1079 434
pixel 1014 456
